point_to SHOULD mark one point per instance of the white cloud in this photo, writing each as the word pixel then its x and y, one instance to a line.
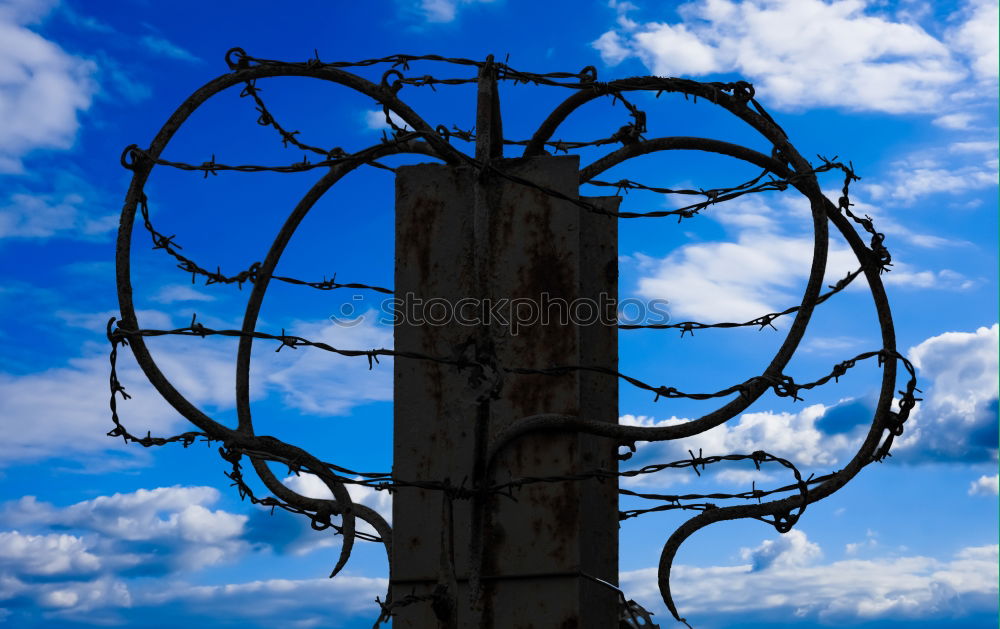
pixel 46 555
pixel 322 383
pixel 47 215
pixel 672 50
pixel 945 279
pixel 166 48
pixel 865 62
pixel 26 11
pixel 97 321
pixel 870 542
pixel 957 419
pixel 82 21
pixel 738 281
pixel 443 10
pixel 742 478
pixel 786 581
pixel 118 81
pixel 375 120
pixel 42 88
pixel 757 212
pixel 78 560
pixel 913 181
pixel 985 486
pixel 962 167
pixel 293 535
pixel 310 600
pixel 893 192
pixel 180 292
pixel 984 148
pixel 64 411
pixel 311 486
pixel 954 121
pixel 98 559
pixel 791 550
pixel 767 265
pixel 977 36
pixel 72 598
pixel 816 436
pixel 163 529
pixel 612 48
pixel 838 345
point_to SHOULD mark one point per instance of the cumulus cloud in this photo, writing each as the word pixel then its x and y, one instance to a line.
pixel 46 555
pixel 46 215
pixel 913 179
pixel 816 436
pixel 81 562
pixel 742 478
pixel 90 562
pixel 613 48
pixel 71 599
pixel 954 121
pixel 791 550
pixel 985 486
pixel 57 204
pixel 866 61
pixel 76 559
pixel 764 266
pixel 254 604
pixel 292 534
pixel 43 88
pixel 267 603
pixel 945 279
pixel 322 383
pixel 311 486
pixel 63 411
pixel 957 419
pixel 785 579
pixel 976 38
pixel 163 529
pixel 737 281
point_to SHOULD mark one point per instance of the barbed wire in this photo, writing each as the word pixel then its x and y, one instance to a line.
pixel 385 481
pixel 782 385
pixel 763 321
pixel 784 168
pixel 167 244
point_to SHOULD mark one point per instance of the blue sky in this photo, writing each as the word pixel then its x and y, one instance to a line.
pixel 96 533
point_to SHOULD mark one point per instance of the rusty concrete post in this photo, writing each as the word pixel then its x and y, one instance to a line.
pixel 493 270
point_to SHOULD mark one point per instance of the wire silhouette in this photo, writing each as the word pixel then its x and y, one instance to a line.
pixel 783 168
